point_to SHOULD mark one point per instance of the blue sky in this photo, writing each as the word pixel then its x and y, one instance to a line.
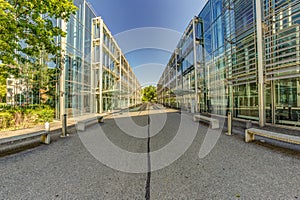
pixel 165 16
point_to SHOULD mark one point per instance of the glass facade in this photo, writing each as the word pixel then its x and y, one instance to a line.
pixel 228 70
pixel 77 61
pixel 115 86
pixel 91 73
pixel 282 41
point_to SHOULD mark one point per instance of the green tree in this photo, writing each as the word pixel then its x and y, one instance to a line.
pixel 27 30
pixel 149 94
pixel 4 74
pixel 27 38
pixel 50 86
pixel 3 90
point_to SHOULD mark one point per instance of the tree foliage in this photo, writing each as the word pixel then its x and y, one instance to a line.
pixel 4 73
pixel 27 29
pixel 149 94
pixel 27 38
pixel 3 90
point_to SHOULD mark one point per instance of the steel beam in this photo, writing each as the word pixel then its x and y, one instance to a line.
pixel 260 66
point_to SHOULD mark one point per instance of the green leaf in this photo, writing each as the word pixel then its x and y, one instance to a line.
pixel 26 29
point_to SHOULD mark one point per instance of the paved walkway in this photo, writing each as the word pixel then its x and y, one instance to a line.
pixel 54 126
pixel 238 125
pixel 66 169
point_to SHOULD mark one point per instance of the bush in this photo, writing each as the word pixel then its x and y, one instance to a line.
pixel 17 117
pixel 6 120
pixel 45 115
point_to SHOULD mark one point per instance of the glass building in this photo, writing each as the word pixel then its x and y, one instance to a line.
pixel 75 65
pixel 93 78
pixel 240 56
pixel 114 85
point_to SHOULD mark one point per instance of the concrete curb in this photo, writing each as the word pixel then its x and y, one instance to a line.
pixel 32 142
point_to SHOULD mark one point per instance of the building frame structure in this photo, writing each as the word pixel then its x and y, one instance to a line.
pixel 95 76
pixel 247 62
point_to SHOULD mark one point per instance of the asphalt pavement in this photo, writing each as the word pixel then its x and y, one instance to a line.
pixel 156 158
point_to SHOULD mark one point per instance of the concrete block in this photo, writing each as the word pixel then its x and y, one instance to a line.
pixel 249 137
pixel 45 138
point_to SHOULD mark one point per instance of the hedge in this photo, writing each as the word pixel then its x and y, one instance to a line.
pixel 15 118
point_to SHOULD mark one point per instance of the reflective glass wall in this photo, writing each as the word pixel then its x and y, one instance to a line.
pixel 282 41
pixel 77 61
pixel 228 66
pixel 95 76
pixel 114 85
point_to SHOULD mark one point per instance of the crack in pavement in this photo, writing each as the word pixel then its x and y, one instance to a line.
pixel 148 182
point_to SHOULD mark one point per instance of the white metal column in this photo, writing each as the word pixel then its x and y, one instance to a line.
pixel 195 64
pixel 82 93
pixel 62 78
pixel 120 81
pixel 169 85
pixel 93 106
pixel 176 53
pixel 260 66
pixel 101 66
pixel 298 69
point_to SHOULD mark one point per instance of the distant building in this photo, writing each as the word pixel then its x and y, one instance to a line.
pixel 15 91
pixel 247 59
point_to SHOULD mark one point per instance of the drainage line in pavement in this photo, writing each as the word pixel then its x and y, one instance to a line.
pixel 147 196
